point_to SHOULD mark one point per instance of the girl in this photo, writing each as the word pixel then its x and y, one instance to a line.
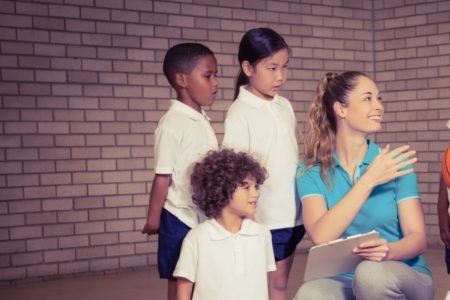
pixel 262 123
pixel 348 185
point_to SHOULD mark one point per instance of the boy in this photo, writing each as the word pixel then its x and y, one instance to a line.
pixel 229 255
pixel 183 135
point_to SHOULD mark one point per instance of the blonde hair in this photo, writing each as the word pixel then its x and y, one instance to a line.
pixel 320 136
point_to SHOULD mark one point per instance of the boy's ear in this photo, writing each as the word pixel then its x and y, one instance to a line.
pixel 247 68
pixel 180 80
pixel 339 109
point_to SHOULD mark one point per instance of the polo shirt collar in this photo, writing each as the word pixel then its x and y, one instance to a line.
pixel 372 151
pixel 186 110
pixel 253 100
pixel 217 232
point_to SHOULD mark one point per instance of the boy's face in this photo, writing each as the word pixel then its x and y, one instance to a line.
pixel 244 199
pixel 199 88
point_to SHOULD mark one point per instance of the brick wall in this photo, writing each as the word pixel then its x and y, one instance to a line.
pixel 412 66
pixel 81 92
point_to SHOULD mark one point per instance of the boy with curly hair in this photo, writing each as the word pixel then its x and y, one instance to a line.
pixel 227 256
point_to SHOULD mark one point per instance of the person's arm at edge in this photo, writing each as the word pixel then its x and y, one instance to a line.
pixel 158 194
pixel 184 289
pixel 442 212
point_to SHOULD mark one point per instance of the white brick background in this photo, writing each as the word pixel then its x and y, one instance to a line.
pixel 81 92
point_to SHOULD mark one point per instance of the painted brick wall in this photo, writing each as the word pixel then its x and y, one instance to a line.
pixel 81 92
pixel 412 66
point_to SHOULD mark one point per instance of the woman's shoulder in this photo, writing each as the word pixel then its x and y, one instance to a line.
pixel 304 169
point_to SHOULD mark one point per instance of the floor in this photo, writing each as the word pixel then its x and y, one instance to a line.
pixel 145 284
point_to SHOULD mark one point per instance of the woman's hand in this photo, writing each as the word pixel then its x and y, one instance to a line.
pixel 387 165
pixel 376 250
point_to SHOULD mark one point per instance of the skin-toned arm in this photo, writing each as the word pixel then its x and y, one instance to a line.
pixel 442 210
pixel 324 225
pixel 184 289
pixel 158 195
pixel 413 242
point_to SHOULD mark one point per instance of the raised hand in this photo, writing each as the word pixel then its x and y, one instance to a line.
pixel 388 165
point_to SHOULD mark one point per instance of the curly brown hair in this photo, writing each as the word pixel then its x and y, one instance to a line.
pixel 216 177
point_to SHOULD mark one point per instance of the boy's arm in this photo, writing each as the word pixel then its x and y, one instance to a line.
pixel 158 194
pixel 184 289
pixel 442 210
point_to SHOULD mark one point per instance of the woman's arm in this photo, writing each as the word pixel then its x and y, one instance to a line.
pixel 324 225
pixel 184 289
pixel 411 245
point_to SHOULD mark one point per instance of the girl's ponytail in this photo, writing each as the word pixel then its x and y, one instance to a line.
pixel 241 80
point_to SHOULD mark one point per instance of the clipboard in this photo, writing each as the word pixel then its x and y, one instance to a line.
pixel 335 257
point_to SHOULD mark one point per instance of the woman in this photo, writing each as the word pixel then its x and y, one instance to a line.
pixel 348 185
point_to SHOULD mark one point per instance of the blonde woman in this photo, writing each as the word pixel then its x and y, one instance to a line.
pixel 349 185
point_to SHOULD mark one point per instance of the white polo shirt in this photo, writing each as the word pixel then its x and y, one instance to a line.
pixel 227 266
pixel 183 136
pixel 267 130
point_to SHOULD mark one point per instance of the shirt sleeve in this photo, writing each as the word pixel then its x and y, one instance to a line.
pixel 236 134
pixel 187 262
pixel 307 182
pixel 406 187
pixel 166 144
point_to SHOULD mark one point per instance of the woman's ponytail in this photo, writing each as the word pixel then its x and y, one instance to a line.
pixel 321 133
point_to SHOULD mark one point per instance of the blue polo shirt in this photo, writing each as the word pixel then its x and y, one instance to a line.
pixel 379 212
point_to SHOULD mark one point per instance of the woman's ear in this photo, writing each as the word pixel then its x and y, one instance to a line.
pixel 247 68
pixel 180 80
pixel 339 110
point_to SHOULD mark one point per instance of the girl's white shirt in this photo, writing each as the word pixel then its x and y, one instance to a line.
pixel 267 131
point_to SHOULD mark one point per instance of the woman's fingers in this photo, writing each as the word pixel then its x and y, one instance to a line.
pixel 376 250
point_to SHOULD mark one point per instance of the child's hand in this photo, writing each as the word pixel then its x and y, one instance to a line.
pixel 150 228
pixel 376 250
pixel 387 165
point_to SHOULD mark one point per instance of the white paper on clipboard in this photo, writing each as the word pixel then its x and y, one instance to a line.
pixel 335 257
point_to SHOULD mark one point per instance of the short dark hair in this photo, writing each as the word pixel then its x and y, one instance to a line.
pixel 255 45
pixel 182 58
pixel 216 177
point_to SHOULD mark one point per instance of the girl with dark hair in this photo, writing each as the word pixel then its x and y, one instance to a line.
pixel 348 185
pixel 262 123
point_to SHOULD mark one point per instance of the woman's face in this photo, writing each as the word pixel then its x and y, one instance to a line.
pixel 364 110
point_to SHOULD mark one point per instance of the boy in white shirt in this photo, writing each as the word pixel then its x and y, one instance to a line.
pixel 182 137
pixel 229 255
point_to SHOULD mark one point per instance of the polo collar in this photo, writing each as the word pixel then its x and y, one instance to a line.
pixel 255 101
pixel 217 232
pixel 372 151
pixel 186 110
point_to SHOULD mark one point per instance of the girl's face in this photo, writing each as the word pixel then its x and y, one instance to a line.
pixel 364 110
pixel 268 75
